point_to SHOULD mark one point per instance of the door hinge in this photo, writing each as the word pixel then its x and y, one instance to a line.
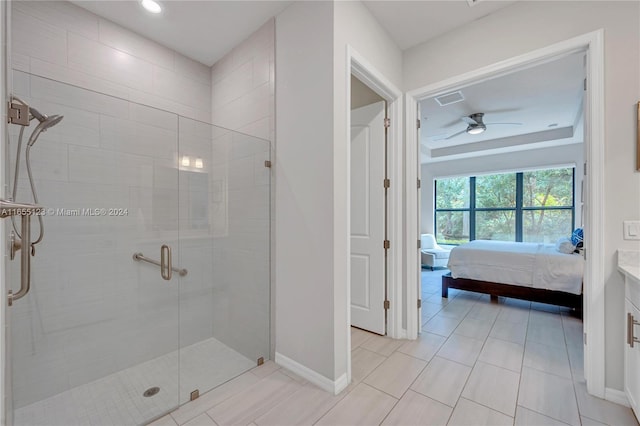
pixel 419 183
pixel 267 163
pixel 585 84
pixel 387 123
pixel 417 123
pixel 419 244
pixel 585 339
pixel 419 303
pixel 387 304
pixel 387 183
pixel 585 169
pixel 18 113
pixel 386 244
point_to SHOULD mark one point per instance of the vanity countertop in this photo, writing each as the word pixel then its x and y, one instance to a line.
pixel 629 263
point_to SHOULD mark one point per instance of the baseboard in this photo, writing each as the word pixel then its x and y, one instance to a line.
pixel 333 386
pixel 617 396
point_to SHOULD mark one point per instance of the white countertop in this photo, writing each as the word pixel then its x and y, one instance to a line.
pixel 629 263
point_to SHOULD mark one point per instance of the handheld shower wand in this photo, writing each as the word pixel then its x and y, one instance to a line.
pixel 45 122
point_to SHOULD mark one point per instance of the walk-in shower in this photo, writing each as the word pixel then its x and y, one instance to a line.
pixel 108 335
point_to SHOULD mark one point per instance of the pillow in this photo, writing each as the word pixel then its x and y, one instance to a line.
pixel 577 236
pixel 565 245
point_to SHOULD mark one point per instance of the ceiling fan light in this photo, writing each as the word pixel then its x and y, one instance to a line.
pixel 475 130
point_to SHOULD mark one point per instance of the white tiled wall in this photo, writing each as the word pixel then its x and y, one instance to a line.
pixel 61 41
pixel 243 86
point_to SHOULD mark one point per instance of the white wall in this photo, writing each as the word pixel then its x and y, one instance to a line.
pixel 356 27
pixel 513 161
pixel 311 171
pixel 529 25
pixel 304 187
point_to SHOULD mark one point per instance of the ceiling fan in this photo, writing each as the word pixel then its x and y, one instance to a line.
pixel 476 125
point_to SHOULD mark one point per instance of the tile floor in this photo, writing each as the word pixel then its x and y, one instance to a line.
pixel 475 363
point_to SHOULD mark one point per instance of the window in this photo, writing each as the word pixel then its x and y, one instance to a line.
pixel 533 206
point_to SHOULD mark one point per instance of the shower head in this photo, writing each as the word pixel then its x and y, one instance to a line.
pixel 36 114
pixel 43 126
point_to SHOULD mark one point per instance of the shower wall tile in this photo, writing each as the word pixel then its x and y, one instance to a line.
pixel 119 38
pixel 20 62
pixel 34 37
pixel 63 42
pixel 114 65
pixel 243 85
pixel 65 94
pixel 64 14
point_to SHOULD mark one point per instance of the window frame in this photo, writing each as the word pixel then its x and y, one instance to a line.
pixel 518 210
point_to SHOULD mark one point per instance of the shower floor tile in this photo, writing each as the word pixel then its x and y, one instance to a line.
pixel 118 399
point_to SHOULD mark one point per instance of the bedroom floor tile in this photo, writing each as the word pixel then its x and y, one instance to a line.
pixel 474 328
pixel 462 349
pixel 443 326
pixel 493 387
pixel 550 359
pixel 515 332
pixel 442 380
pixel 416 409
pixel 502 354
pixel 550 395
pixel 469 413
pixel 395 375
pixel 424 347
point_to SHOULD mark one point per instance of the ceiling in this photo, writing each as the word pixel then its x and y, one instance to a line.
pixel 412 22
pixel 545 99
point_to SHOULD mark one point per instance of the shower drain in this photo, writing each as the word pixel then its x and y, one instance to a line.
pixel 151 391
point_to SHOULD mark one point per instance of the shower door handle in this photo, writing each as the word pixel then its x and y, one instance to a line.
pixel 165 262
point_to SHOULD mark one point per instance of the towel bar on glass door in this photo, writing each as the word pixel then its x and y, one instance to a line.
pixel 139 257
pixel 25 211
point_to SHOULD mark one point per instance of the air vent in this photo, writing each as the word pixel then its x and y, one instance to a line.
pixel 449 98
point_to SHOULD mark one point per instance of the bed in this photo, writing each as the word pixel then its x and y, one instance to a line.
pixel 529 271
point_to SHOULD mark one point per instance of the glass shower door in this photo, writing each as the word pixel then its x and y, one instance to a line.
pixel 225 243
pixel 96 341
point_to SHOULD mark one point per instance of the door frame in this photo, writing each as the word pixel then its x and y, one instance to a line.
pixel 376 81
pixel 594 303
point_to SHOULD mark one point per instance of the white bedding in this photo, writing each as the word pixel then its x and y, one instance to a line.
pixel 524 264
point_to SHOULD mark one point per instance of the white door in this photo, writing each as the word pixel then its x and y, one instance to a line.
pixel 368 217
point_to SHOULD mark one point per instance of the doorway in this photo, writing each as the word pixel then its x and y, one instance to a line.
pixel 368 206
pixel 592 44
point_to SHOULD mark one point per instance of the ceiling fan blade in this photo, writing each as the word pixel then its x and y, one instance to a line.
pixel 455 134
pixel 469 120
pixel 512 124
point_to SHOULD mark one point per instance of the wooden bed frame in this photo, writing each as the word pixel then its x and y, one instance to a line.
pixel 573 301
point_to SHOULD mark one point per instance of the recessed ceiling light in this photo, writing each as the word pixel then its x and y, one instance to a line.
pixel 151 6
